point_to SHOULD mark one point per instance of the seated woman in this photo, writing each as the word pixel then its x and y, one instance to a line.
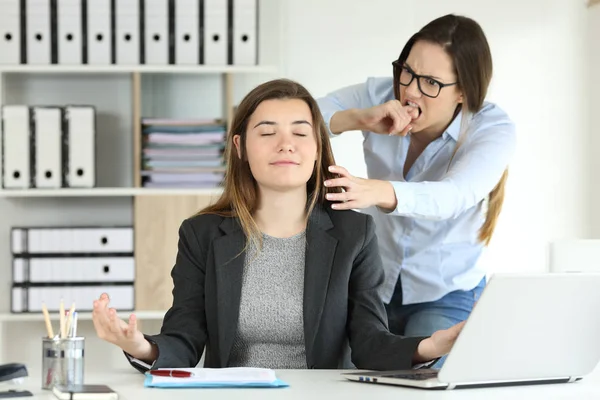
pixel 269 276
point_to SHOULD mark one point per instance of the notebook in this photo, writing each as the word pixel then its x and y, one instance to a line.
pixel 84 392
pixel 216 377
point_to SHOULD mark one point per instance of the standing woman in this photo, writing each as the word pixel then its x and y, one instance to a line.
pixel 437 155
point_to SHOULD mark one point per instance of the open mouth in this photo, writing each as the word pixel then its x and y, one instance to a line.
pixel 414 105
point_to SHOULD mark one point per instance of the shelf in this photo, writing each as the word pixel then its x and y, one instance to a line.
pixel 107 192
pixel 152 69
pixel 82 316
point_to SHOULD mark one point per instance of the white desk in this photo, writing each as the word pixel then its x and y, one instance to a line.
pixel 327 384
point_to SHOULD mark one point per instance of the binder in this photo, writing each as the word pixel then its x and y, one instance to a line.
pixel 72 241
pixel 10 41
pixel 28 298
pixel 156 32
pixel 16 300
pixel 47 122
pixel 215 23
pixel 99 18
pixel 79 136
pixel 16 153
pixel 127 32
pixel 38 42
pixel 74 270
pixel 69 31
pixel 1 153
pixel 187 32
pixel 245 29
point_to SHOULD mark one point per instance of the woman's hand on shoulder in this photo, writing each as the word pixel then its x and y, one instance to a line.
pixel 360 192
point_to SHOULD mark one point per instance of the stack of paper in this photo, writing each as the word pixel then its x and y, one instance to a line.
pixel 217 377
pixel 182 153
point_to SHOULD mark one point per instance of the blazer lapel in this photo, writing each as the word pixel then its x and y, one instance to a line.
pixel 229 266
pixel 320 251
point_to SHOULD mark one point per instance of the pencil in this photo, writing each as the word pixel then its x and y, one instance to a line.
pixel 70 320
pixel 47 319
pixel 62 319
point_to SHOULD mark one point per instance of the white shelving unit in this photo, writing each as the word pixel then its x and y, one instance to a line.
pixel 18 327
pixel 24 330
pixel 148 69
pixel 123 95
pixel 106 192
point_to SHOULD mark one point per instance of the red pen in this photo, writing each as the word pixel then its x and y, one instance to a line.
pixel 171 372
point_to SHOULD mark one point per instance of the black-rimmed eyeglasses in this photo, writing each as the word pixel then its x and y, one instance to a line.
pixel 429 86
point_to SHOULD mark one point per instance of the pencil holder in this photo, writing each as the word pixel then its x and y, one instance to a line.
pixel 62 361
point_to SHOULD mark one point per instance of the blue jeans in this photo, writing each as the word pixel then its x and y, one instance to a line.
pixel 423 319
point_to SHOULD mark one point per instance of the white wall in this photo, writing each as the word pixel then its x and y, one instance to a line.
pixel 593 49
pixel 540 55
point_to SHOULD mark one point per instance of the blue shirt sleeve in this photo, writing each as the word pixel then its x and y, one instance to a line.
pixel 475 170
pixel 355 96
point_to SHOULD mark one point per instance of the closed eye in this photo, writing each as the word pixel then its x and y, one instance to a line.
pixel 301 134
pixel 267 134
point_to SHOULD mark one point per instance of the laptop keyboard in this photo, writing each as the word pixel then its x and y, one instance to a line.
pixel 416 376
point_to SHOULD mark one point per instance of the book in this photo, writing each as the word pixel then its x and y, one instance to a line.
pixel 84 392
pixel 177 153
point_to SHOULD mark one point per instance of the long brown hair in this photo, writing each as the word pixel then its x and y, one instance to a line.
pixel 240 195
pixel 465 42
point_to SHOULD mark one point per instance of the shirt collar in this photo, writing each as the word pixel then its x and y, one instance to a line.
pixel 453 129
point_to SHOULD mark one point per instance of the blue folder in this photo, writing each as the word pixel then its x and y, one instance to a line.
pixel 183 383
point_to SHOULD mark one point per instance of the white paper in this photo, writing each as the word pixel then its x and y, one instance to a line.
pixel 221 375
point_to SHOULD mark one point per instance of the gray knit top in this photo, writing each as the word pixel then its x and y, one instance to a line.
pixel 270 331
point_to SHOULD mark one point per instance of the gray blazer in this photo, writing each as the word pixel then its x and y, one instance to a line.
pixel 345 321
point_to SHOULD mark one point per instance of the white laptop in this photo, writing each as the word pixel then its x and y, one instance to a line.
pixel 525 329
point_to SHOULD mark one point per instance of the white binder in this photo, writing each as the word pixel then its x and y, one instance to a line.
pixel 244 32
pixel 127 32
pixel 10 41
pixel 16 300
pixel 69 31
pixel 215 42
pixel 1 153
pixel 48 146
pixel 73 269
pixel 80 134
pixel 18 240
pixel 99 32
pixel 20 270
pixel 187 32
pixel 39 42
pixel 57 241
pixel 16 138
pixel 156 27
pixel 30 299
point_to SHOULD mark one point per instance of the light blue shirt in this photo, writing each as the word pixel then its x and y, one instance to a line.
pixel 431 238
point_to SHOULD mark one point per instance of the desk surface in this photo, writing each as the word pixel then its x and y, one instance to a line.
pixel 326 384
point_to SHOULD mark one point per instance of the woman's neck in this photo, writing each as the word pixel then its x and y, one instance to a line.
pixel 281 214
